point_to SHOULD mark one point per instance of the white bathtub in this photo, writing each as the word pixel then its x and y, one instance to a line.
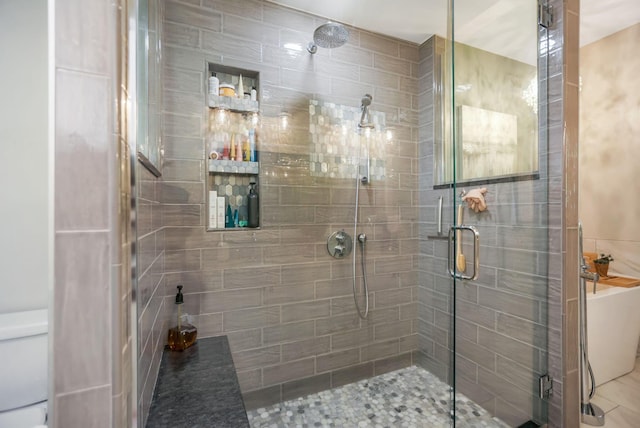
pixel 613 320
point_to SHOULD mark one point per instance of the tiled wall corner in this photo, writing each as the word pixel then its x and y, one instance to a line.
pixel 570 24
pixel 562 127
pixel 92 239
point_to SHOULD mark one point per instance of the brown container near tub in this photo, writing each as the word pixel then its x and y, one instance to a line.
pixel 602 269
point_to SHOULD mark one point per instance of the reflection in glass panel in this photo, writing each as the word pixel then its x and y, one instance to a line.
pixel 497 120
pixel 148 78
pixel 143 78
pixel 496 94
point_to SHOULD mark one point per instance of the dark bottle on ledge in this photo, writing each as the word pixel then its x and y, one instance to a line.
pixel 253 207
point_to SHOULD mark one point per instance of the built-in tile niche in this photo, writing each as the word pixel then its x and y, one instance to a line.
pixel 232 148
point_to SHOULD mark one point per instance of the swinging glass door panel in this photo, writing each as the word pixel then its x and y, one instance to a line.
pixel 498 185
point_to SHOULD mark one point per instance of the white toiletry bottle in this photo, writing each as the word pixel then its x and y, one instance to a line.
pixel 214 84
pixel 240 93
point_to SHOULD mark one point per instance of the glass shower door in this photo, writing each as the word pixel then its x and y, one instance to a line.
pixel 498 252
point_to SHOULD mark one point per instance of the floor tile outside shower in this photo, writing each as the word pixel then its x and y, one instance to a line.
pixel 620 400
pixel 410 397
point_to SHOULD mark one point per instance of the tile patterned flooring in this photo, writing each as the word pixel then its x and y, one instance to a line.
pixel 620 400
pixel 411 397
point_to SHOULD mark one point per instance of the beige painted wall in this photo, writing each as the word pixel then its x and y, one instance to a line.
pixel 609 147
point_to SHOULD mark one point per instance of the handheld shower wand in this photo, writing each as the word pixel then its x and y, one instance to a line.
pixel 365 119
pixel 362 238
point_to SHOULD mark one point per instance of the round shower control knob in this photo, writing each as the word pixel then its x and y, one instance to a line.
pixel 339 244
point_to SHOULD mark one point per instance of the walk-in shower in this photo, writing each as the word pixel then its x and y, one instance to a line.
pixel 330 35
pixel 285 305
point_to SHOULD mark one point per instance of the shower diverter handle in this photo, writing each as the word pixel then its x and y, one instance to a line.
pixel 339 244
pixel 451 265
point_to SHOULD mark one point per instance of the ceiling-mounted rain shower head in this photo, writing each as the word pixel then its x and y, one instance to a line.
pixel 330 35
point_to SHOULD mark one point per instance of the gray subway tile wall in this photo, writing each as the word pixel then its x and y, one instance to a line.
pixel 152 313
pixel 151 232
pixel 285 304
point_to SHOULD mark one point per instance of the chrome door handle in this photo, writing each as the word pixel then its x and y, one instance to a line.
pixel 476 253
pixel 440 216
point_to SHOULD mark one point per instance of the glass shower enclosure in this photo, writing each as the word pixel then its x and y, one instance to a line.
pixel 484 289
pixel 455 207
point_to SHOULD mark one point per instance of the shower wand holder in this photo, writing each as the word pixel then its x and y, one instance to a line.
pixel 592 415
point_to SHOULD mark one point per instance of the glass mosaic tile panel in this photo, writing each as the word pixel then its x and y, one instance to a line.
pixel 338 147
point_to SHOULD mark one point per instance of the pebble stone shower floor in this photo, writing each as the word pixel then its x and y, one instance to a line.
pixel 410 397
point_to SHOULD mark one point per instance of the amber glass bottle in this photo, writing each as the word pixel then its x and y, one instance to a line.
pixel 183 334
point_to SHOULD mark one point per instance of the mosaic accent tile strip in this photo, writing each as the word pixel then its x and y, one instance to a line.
pixel 234 167
pixel 338 147
pixel 411 397
pixel 235 189
pixel 234 104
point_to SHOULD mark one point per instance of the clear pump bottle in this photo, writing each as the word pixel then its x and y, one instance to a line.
pixel 183 335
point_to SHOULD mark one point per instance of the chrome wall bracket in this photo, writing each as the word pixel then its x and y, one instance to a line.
pixel 545 386
pixel 545 14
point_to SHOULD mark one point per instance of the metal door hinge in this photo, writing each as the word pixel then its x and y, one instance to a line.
pixel 545 14
pixel 546 386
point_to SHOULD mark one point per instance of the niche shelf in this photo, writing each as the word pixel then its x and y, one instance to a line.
pixel 234 167
pixel 231 119
pixel 236 105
